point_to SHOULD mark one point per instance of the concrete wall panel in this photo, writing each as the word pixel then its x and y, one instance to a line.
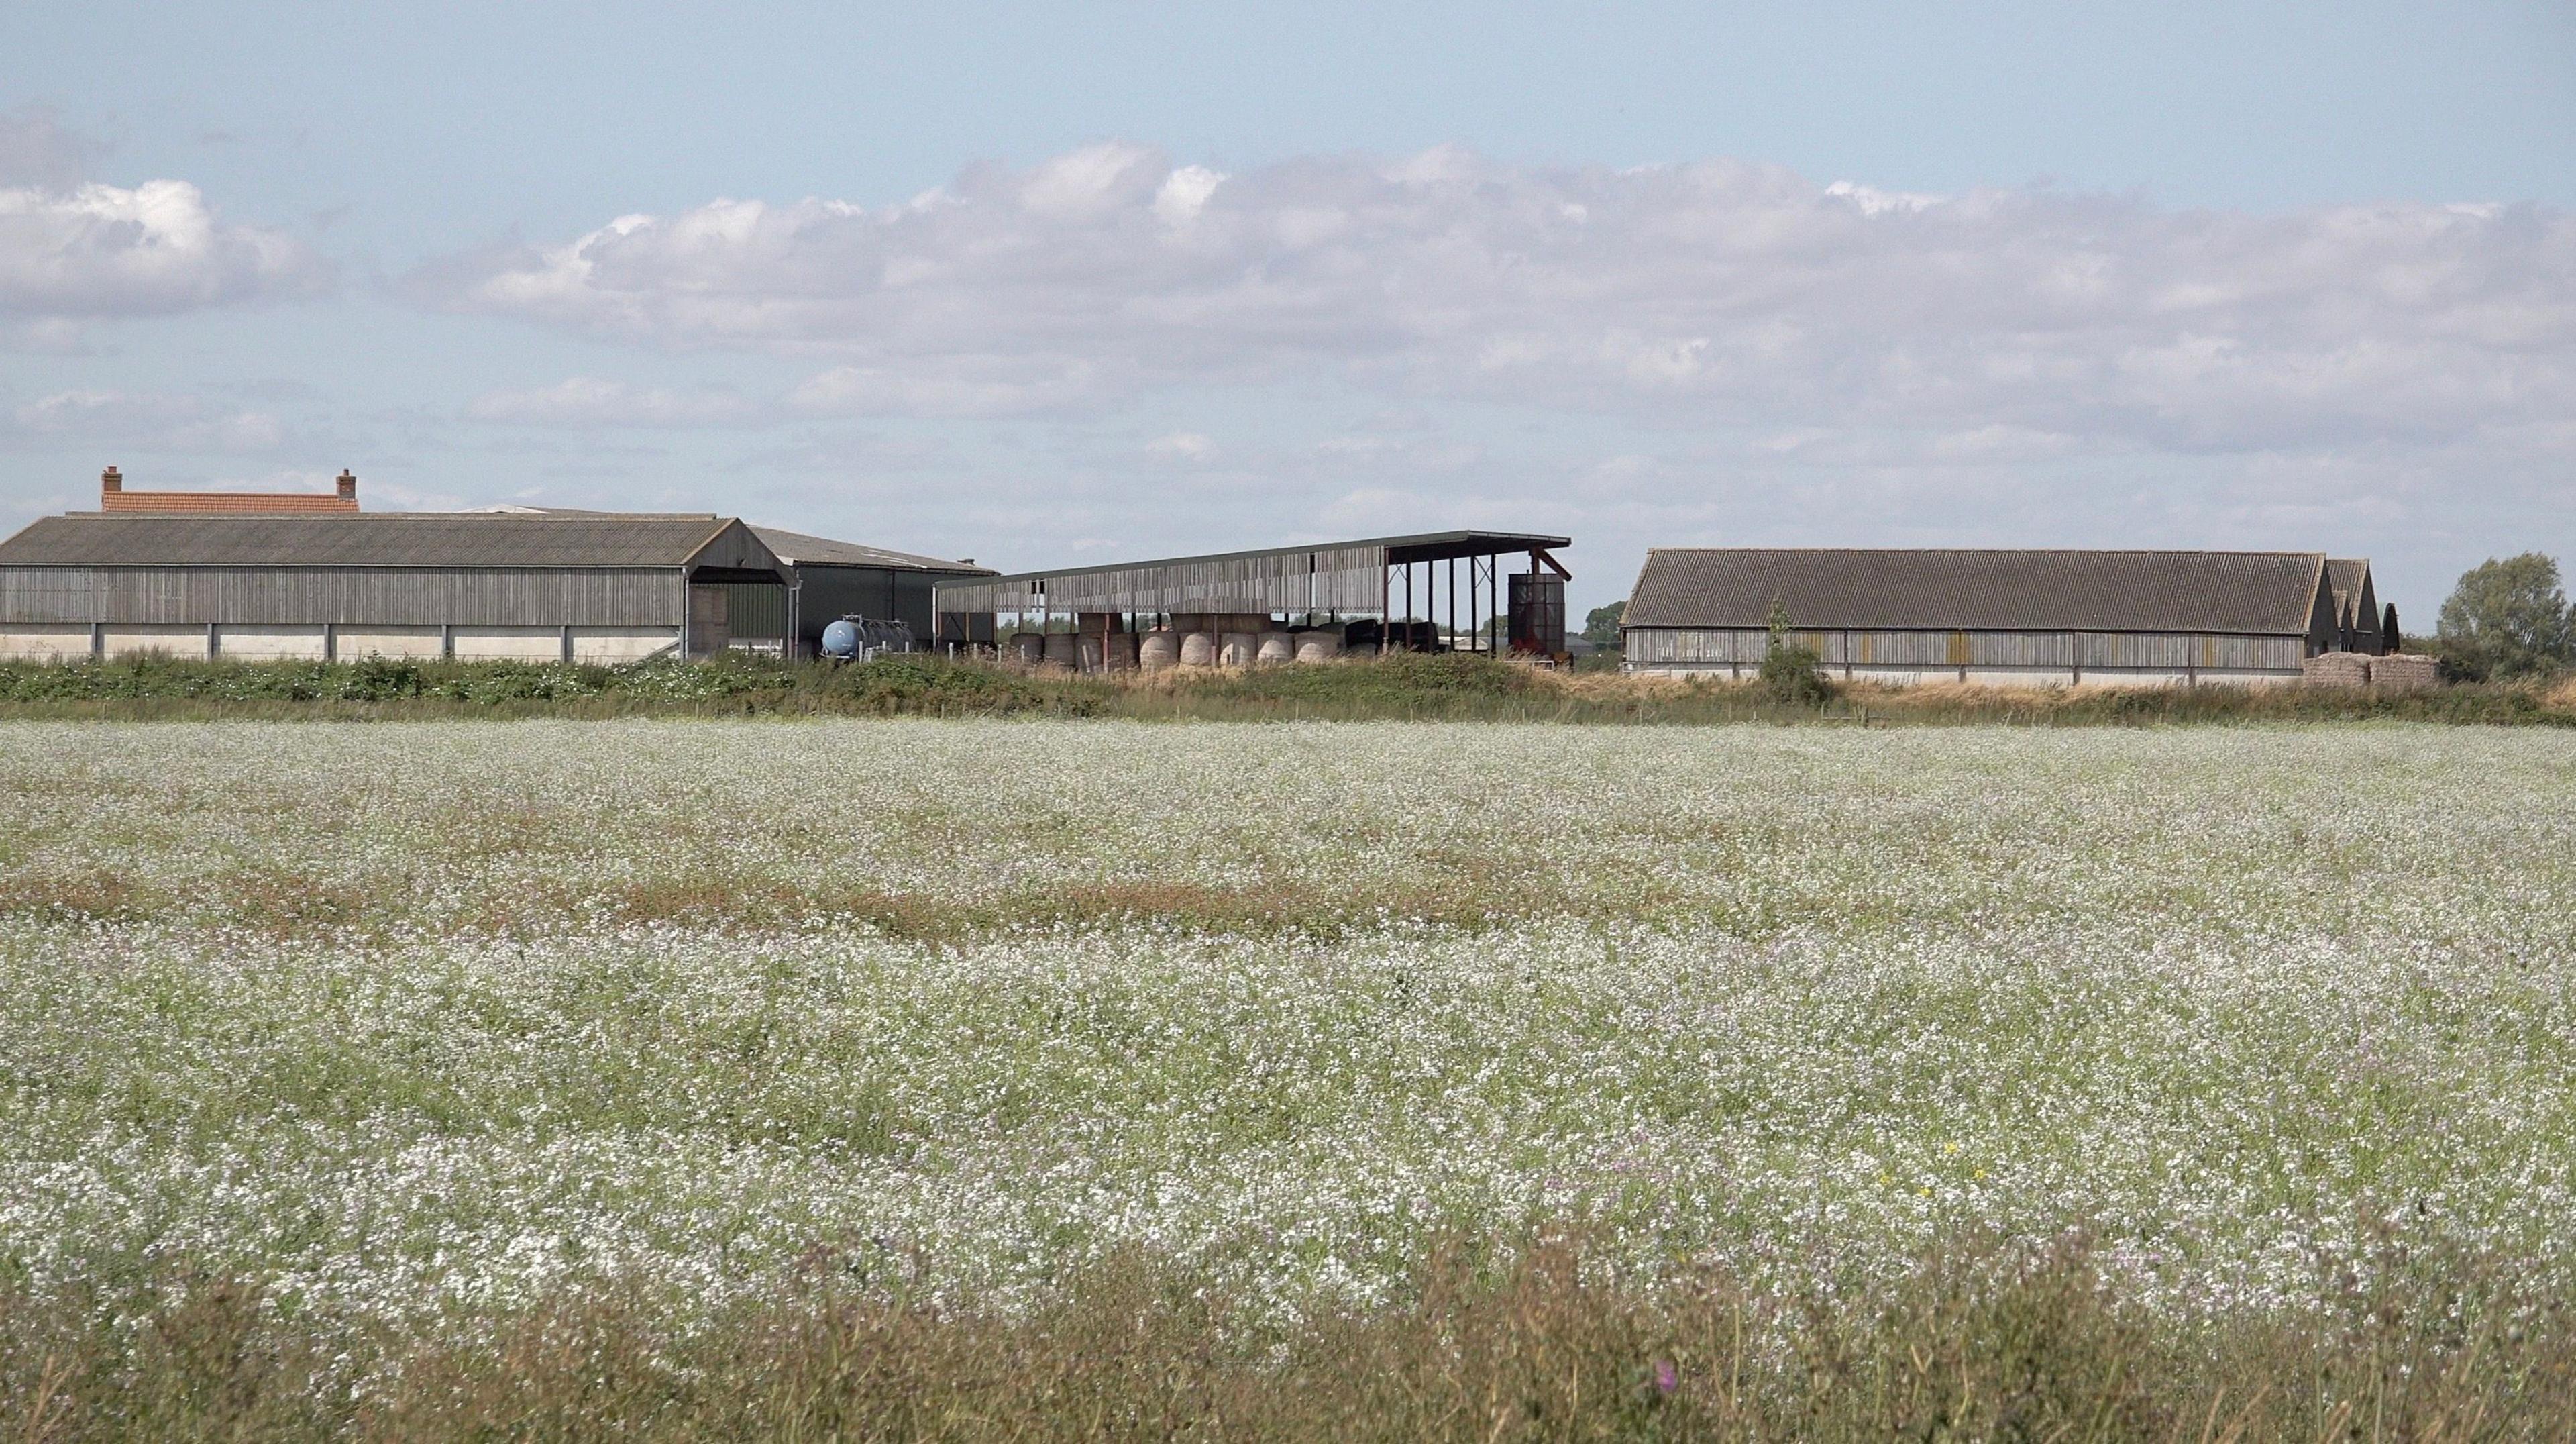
pixel 270 644
pixel 509 644
pixel 1990 676
pixel 608 646
pixel 189 642
pixel 411 642
pixel 27 643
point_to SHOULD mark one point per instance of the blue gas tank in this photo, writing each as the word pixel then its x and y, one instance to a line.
pixel 841 639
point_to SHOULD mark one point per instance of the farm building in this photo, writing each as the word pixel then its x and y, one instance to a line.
pixel 827 580
pixel 1304 603
pixel 254 576
pixel 2033 618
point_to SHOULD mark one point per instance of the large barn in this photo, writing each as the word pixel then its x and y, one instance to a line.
pixel 828 580
pixel 245 575
pixel 1998 617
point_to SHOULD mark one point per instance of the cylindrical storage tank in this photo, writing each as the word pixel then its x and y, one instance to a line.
pixel 1318 646
pixel 1237 649
pixel 1198 649
pixel 1061 650
pixel 1158 650
pixel 1275 649
pixel 1028 648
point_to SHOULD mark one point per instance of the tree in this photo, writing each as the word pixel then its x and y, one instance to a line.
pixel 2507 619
pixel 1601 625
pixel 1791 671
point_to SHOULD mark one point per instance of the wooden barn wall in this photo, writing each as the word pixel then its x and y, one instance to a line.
pixel 391 596
pixel 1338 579
pixel 2109 651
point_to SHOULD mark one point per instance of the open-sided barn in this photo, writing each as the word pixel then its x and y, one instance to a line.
pixel 2000 617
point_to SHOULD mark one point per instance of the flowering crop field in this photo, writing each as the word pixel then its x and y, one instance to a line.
pixel 415 1024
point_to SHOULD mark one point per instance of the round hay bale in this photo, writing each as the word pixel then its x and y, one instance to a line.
pixel 1198 649
pixel 1157 650
pixel 1318 646
pixel 1275 649
pixel 1237 649
pixel 1062 650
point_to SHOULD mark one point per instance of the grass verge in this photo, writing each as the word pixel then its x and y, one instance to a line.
pixel 1535 1343
pixel 1441 688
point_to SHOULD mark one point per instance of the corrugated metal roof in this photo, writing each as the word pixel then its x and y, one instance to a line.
pixel 796 547
pixel 2349 578
pixel 380 539
pixel 1979 590
pixel 1424 546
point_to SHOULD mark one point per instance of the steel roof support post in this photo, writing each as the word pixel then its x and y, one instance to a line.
pixel 684 614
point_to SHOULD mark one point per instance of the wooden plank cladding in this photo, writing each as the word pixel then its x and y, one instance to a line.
pixel 397 596
pixel 1326 579
pixel 1907 655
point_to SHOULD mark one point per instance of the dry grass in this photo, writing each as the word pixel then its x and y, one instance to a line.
pixel 1545 1344
pixel 1448 687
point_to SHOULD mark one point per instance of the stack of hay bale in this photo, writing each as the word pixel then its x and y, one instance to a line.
pixel 2395 672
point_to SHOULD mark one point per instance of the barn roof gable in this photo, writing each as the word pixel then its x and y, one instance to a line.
pixel 1980 590
pixel 798 549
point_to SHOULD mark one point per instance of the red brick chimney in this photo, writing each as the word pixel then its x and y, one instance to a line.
pixel 112 496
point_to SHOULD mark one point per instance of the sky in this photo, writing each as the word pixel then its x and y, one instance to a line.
pixel 1047 284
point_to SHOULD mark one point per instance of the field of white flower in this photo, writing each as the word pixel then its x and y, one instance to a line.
pixel 414 1022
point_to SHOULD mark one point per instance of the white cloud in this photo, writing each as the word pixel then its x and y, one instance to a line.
pixel 1717 293
pixel 37 150
pixel 1189 446
pixel 151 420
pixel 1184 193
pixel 100 250
pixel 584 401
pixel 953 386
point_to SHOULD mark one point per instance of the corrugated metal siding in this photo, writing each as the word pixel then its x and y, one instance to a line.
pixel 834 592
pixel 1330 579
pixel 392 596
pixel 753 609
pixel 2174 651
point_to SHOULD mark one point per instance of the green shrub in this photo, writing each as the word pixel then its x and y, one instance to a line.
pixel 1791 670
